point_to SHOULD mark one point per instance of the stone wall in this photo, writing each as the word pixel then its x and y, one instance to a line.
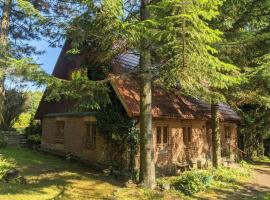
pixel 13 138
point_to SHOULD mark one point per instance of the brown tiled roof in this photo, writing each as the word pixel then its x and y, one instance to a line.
pixel 165 104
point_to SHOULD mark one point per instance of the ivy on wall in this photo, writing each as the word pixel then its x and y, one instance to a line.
pixel 120 131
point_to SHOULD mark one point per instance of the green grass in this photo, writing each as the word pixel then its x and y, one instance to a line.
pixel 52 178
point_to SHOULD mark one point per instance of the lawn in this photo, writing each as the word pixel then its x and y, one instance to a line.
pixel 49 177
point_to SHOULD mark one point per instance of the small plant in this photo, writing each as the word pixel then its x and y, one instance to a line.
pixel 5 165
pixel 193 181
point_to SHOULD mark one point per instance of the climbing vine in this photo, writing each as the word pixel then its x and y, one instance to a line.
pixel 121 132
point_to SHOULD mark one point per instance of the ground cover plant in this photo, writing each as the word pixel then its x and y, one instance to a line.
pixel 200 180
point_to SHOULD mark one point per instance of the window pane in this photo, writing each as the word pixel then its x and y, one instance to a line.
pixel 184 135
pixel 165 134
pixel 91 130
pixel 60 129
pixel 189 134
pixel 94 133
pixel 227 132
pixel 158 135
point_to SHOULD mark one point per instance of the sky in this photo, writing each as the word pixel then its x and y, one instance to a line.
pixel 49 58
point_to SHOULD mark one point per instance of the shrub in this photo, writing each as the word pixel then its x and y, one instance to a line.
pixel 3 140
pixel 33 133
pixel 193 181
pixel 199 180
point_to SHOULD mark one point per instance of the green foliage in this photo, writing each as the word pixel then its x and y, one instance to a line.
pixel 120 131
pixel 228 175
pixel 22 121
pixel 117 126
pixel 14 105
pixel 31 104
pixel 199 180
pixel 88 94
pixel 245 25
pixel 33 133
pixel 3 140
pixel 182 42
pixel 4 166
pixel 186 48
pixel 193 181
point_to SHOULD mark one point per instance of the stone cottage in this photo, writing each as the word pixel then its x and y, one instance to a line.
pixel 181 125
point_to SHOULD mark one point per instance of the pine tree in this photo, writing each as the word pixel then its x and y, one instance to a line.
pixel 246 27
pixel 189 58
pixel 21 22
pixel 147 163
pixel 175 36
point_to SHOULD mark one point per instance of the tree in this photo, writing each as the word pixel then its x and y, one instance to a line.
pixel 32 100
pixel 14 105
pixel 246 30
pixel 175 36
pixel 147 163
pixel 21 22
pixel 186 47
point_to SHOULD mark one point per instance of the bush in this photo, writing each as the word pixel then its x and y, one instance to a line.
pixel 199 180
pixel 33 133
pixel 193 181
pixel 3 140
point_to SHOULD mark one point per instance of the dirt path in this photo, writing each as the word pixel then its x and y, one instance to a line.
pixel 259 186
pixel 261 177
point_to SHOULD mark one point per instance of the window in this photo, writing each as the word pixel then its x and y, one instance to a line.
pixel 227 132
pixel 187 134
pixel 158 135
pixel 60 132
pixel 165 134
pixel 162 135
pixel 91 132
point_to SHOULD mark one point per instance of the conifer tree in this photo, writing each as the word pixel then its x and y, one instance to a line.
pixel 176 36
pixel 22 22
pixel 189 56
pixel 246 27
pixel 147 163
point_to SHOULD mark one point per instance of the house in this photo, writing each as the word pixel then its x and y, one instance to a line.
pixel 181 125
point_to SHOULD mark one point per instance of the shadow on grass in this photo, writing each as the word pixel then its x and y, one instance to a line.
pixel 258 163
pixel 46 173
pixel 244 193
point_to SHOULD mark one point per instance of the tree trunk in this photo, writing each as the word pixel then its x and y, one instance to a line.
pixel 215 135
pixel 147 164
pixel 5 25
